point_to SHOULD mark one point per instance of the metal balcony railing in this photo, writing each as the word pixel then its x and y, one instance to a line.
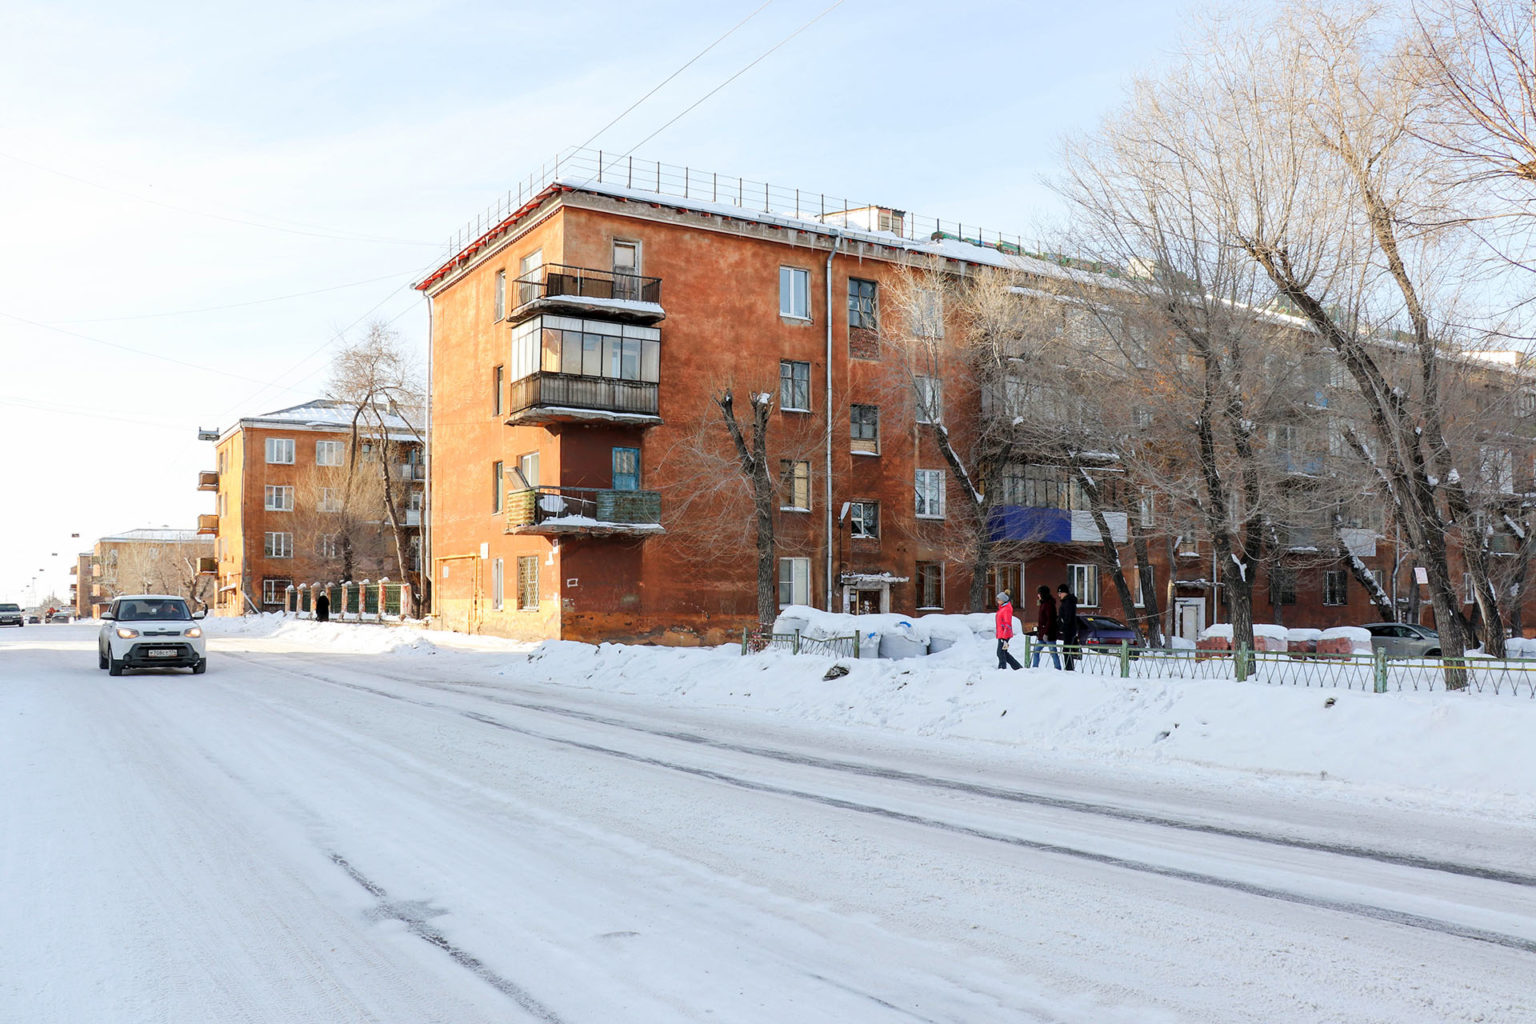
pixel 554 280
pixel 584 509
pixel 208 524
pixel 572 391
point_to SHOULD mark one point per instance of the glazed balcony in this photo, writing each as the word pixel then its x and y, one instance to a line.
pixel 572 398
pixel 208 524
pixel 583 511
pixel 561 289
pixel 207 480
pixel 207 566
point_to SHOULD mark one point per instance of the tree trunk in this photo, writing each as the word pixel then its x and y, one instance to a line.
pixel 754 465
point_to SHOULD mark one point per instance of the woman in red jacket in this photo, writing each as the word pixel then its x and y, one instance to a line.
pixel 1005 631
pixel 1046 632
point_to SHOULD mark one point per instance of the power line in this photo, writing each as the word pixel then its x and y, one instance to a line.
pixel 234 305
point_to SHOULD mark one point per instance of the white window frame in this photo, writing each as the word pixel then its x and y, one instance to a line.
pixel 330 453
pixel 277 449
pixel 858 526
pixel 327 546
pixel 271 592
pixel 794 293
pixel 277 544
pixel 794 581
pixel 794 473
pixel 1340 597
pixel 863 445
pixel 279 498
pixel 498 583
pixel 1084 577
pixel 528 467
pixel 928 486
pixel 1466 588
pixel 930 399
pixel 792 381
pixel 918 581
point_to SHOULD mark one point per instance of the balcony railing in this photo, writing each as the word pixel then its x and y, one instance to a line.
pixel 583 510
pixel 409 471
pixel 208 524
pixel 556 396
pixel 207 480
pixel 556 284
pixel 207 566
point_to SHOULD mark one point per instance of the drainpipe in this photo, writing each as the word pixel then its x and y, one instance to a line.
pixel 426 583
pixel 837 240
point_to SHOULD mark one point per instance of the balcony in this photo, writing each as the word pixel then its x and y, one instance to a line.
pixel 207 480
pixel 411 471
pixel 413 517
pixel 567 397
pixel 557 288
pixel 589 511
pixel 208 524
pixel 207 566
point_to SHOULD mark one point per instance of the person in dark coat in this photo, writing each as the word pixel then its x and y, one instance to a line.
pixel 1066 615
pixel 1045 628
pixel 1005 631
pixel 322 608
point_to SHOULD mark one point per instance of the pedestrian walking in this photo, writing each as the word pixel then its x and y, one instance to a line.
pixel 1005 631
pixel 1066 614
pixel 1046 626
pixel 322 608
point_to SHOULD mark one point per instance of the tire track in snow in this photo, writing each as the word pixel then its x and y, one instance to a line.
pixel 1364 910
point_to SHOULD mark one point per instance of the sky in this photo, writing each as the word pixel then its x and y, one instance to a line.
pixel 200 204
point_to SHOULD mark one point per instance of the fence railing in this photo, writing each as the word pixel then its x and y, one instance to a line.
pixel 754 641
pixel 351 602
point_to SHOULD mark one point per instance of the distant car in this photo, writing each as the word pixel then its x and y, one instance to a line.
pixel 1103 631
pixel 151 631
pixel 10 615
pixel 60 616
pixel 1404 640
pixel 34 618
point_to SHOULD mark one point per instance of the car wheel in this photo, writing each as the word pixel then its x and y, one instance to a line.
pixel 200 667
pixel 115 667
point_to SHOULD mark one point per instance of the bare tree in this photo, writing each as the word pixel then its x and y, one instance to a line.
pixel 380 384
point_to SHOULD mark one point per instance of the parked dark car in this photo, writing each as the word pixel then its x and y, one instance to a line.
pixel 10 615
pixel 1404 639
pixel 1103 631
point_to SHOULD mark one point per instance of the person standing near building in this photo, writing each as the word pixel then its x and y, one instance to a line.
pixel 322 608
pixel 1005 631
pixel 1045 628
pixel 1066 615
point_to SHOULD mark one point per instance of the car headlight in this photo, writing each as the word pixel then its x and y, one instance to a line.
pixel 194 631
pixel 125 633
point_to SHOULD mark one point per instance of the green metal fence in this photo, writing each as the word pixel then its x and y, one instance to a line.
pixel 351 602
pixel 753 641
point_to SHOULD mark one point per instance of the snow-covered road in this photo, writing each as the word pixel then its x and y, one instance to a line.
pixel 308 835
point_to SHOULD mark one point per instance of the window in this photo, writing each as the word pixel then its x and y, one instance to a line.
pixel 498 390
pixel 930 399
pixel 586 348
pixel 626 469
pixel 528 466
pixel 795 386
pixel 865 429
pixel 864 518
pixel 527 582
pixel 794 581
pixel 330 499
pixel 1085 584
pixel 1334 587
pixel 528 276
pixel 279 498
pixel 797 485
pixel 929 313
pixel 328 545
pixel 1146 509
pixel 861 305
pixel 1141 595
pixel 330 453
pixel 223 504
pixel 626 270
pixel 498 583
pixel 1466 588
pixel 795 293
pixel 930 585
pixel 1282 586
pixel 278 545
pixel 500 310
pixel 496 487
pixel 280 451
pixel 929 485
pixel 274 590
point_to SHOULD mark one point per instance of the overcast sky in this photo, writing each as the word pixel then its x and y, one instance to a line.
pixel 198 201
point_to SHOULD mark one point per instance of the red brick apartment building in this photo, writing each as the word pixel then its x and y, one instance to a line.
pixel 296 506
pixel 580 337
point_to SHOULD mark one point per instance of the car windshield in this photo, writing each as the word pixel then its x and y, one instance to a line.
pixel 148 610
pixel 10 607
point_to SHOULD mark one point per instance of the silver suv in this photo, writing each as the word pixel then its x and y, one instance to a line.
pixel 1404 639
pixel 151 631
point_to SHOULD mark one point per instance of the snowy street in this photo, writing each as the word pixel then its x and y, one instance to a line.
pixel 349 823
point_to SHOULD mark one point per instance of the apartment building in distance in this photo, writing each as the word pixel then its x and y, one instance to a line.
pixel 584 485
pixel 294 504
pixel 145 561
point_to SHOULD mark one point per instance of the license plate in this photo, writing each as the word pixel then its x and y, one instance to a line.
pixel 161 654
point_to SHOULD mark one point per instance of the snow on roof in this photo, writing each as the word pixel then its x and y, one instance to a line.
pixel 330 415
pixel 158 535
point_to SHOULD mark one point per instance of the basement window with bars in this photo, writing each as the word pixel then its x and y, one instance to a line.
pixel 527 582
